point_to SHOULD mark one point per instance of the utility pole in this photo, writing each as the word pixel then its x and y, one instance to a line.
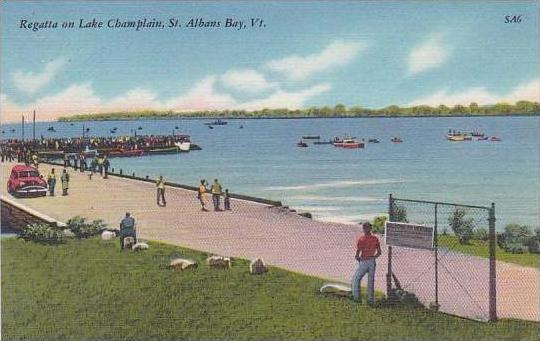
pixel 22 128
pixel 34 128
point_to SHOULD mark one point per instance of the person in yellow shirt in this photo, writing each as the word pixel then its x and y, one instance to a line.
pixel 216 193
pixel 201 195
pixel 160 185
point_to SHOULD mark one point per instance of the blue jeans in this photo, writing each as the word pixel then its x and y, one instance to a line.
pixel 364 266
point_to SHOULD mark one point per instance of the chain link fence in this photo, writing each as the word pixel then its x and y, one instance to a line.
pixel 457 275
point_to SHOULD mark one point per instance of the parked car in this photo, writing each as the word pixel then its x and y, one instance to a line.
pixel 26 181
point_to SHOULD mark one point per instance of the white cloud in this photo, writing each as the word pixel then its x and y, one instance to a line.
pixel 284 99
pixel 81 99
pixel 298 68
pixel 31 82
pixel 428 55
pixel 529 91
pixel 202 97
pixel 247 80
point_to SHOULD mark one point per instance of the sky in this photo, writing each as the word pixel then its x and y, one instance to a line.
pixel 356 53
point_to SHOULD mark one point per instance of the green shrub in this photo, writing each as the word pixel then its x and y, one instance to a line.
pixel 42 233
pixel 463 228
pixel 82 229
pixel 518 239
pixel 378 224
pixel 399 214
pixel 481 234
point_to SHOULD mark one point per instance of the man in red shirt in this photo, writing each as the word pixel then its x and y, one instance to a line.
pixel 368 249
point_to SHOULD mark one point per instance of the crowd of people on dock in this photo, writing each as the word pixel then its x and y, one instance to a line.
pixel 78 144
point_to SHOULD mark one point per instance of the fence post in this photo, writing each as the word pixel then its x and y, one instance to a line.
pixel 436 245
pixel 389 270
pixel 492 266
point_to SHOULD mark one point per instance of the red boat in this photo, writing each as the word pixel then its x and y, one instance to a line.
pixel 348 143
pixel 125 153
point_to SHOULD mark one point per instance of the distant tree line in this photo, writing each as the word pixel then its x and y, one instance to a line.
pixel 340 110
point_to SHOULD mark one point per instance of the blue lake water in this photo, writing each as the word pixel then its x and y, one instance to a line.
pixel 348 185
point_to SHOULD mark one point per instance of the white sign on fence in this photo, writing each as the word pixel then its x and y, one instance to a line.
pixel 409 235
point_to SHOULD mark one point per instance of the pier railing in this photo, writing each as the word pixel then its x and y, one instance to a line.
pixel 133 176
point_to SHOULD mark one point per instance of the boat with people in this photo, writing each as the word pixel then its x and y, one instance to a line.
pixel 301 144
pixel 311 137
pixel 125 153
pixel 217 122
pixel 396 139
pixel 348 143
pixel 51 128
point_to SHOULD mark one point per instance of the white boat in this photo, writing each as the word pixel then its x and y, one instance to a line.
pixel 183 146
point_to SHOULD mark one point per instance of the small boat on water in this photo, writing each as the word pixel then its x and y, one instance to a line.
pixel 495 139
pixel 322 142
pixel 374 141
pixel 348 143
pixel 455 138
pixel 216 123
pixel 125 153
pixel 13 130
pixel 210 127
pixel 477 134
pixel 301 144
pixel 483 138
pixel 396 140
pixel 51 128
pixel 311 137
pixel 140 128
pixel 241 127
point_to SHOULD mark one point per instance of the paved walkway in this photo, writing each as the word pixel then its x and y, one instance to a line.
pixel 289 241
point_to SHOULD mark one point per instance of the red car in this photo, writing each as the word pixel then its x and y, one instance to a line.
pixel 25 180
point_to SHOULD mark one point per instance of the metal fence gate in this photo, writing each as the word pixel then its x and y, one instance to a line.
pixel 457 276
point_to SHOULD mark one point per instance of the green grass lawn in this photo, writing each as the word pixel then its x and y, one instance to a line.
pixel 480 248
pixel 89 290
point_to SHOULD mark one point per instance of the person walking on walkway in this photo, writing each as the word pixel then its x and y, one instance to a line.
pixel 99 160
pixel 227 200
pixel 35 160
pixel 160 185
pixel 216 193
pixel 51 181
pixel 65 182
pixel 127 229
pixel 201 195
pixel 106 165
pixel 368 249
pixel 82 161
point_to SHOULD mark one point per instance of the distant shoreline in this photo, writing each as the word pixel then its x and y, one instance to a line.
pixel 283 117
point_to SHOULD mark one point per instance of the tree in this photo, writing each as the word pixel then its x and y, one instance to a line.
pixel 462 227
pixel 378 224
pixel 473 107
pixel 399 214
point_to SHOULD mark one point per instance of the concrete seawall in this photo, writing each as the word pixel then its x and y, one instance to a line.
pixel 15 216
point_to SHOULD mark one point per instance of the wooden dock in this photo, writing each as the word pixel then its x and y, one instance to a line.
pixel 280 237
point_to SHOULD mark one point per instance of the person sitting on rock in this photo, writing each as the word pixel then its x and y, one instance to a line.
pixel 127 229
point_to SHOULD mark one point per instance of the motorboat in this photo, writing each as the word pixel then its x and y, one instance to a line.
pixel 349 143
pixel 373 141
pixel 216 123
pixel 125 153
pixel 301 144
pixel 322 142
pixel 396 140
pixel 495 139
pixel 311 137
pixel 455 138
